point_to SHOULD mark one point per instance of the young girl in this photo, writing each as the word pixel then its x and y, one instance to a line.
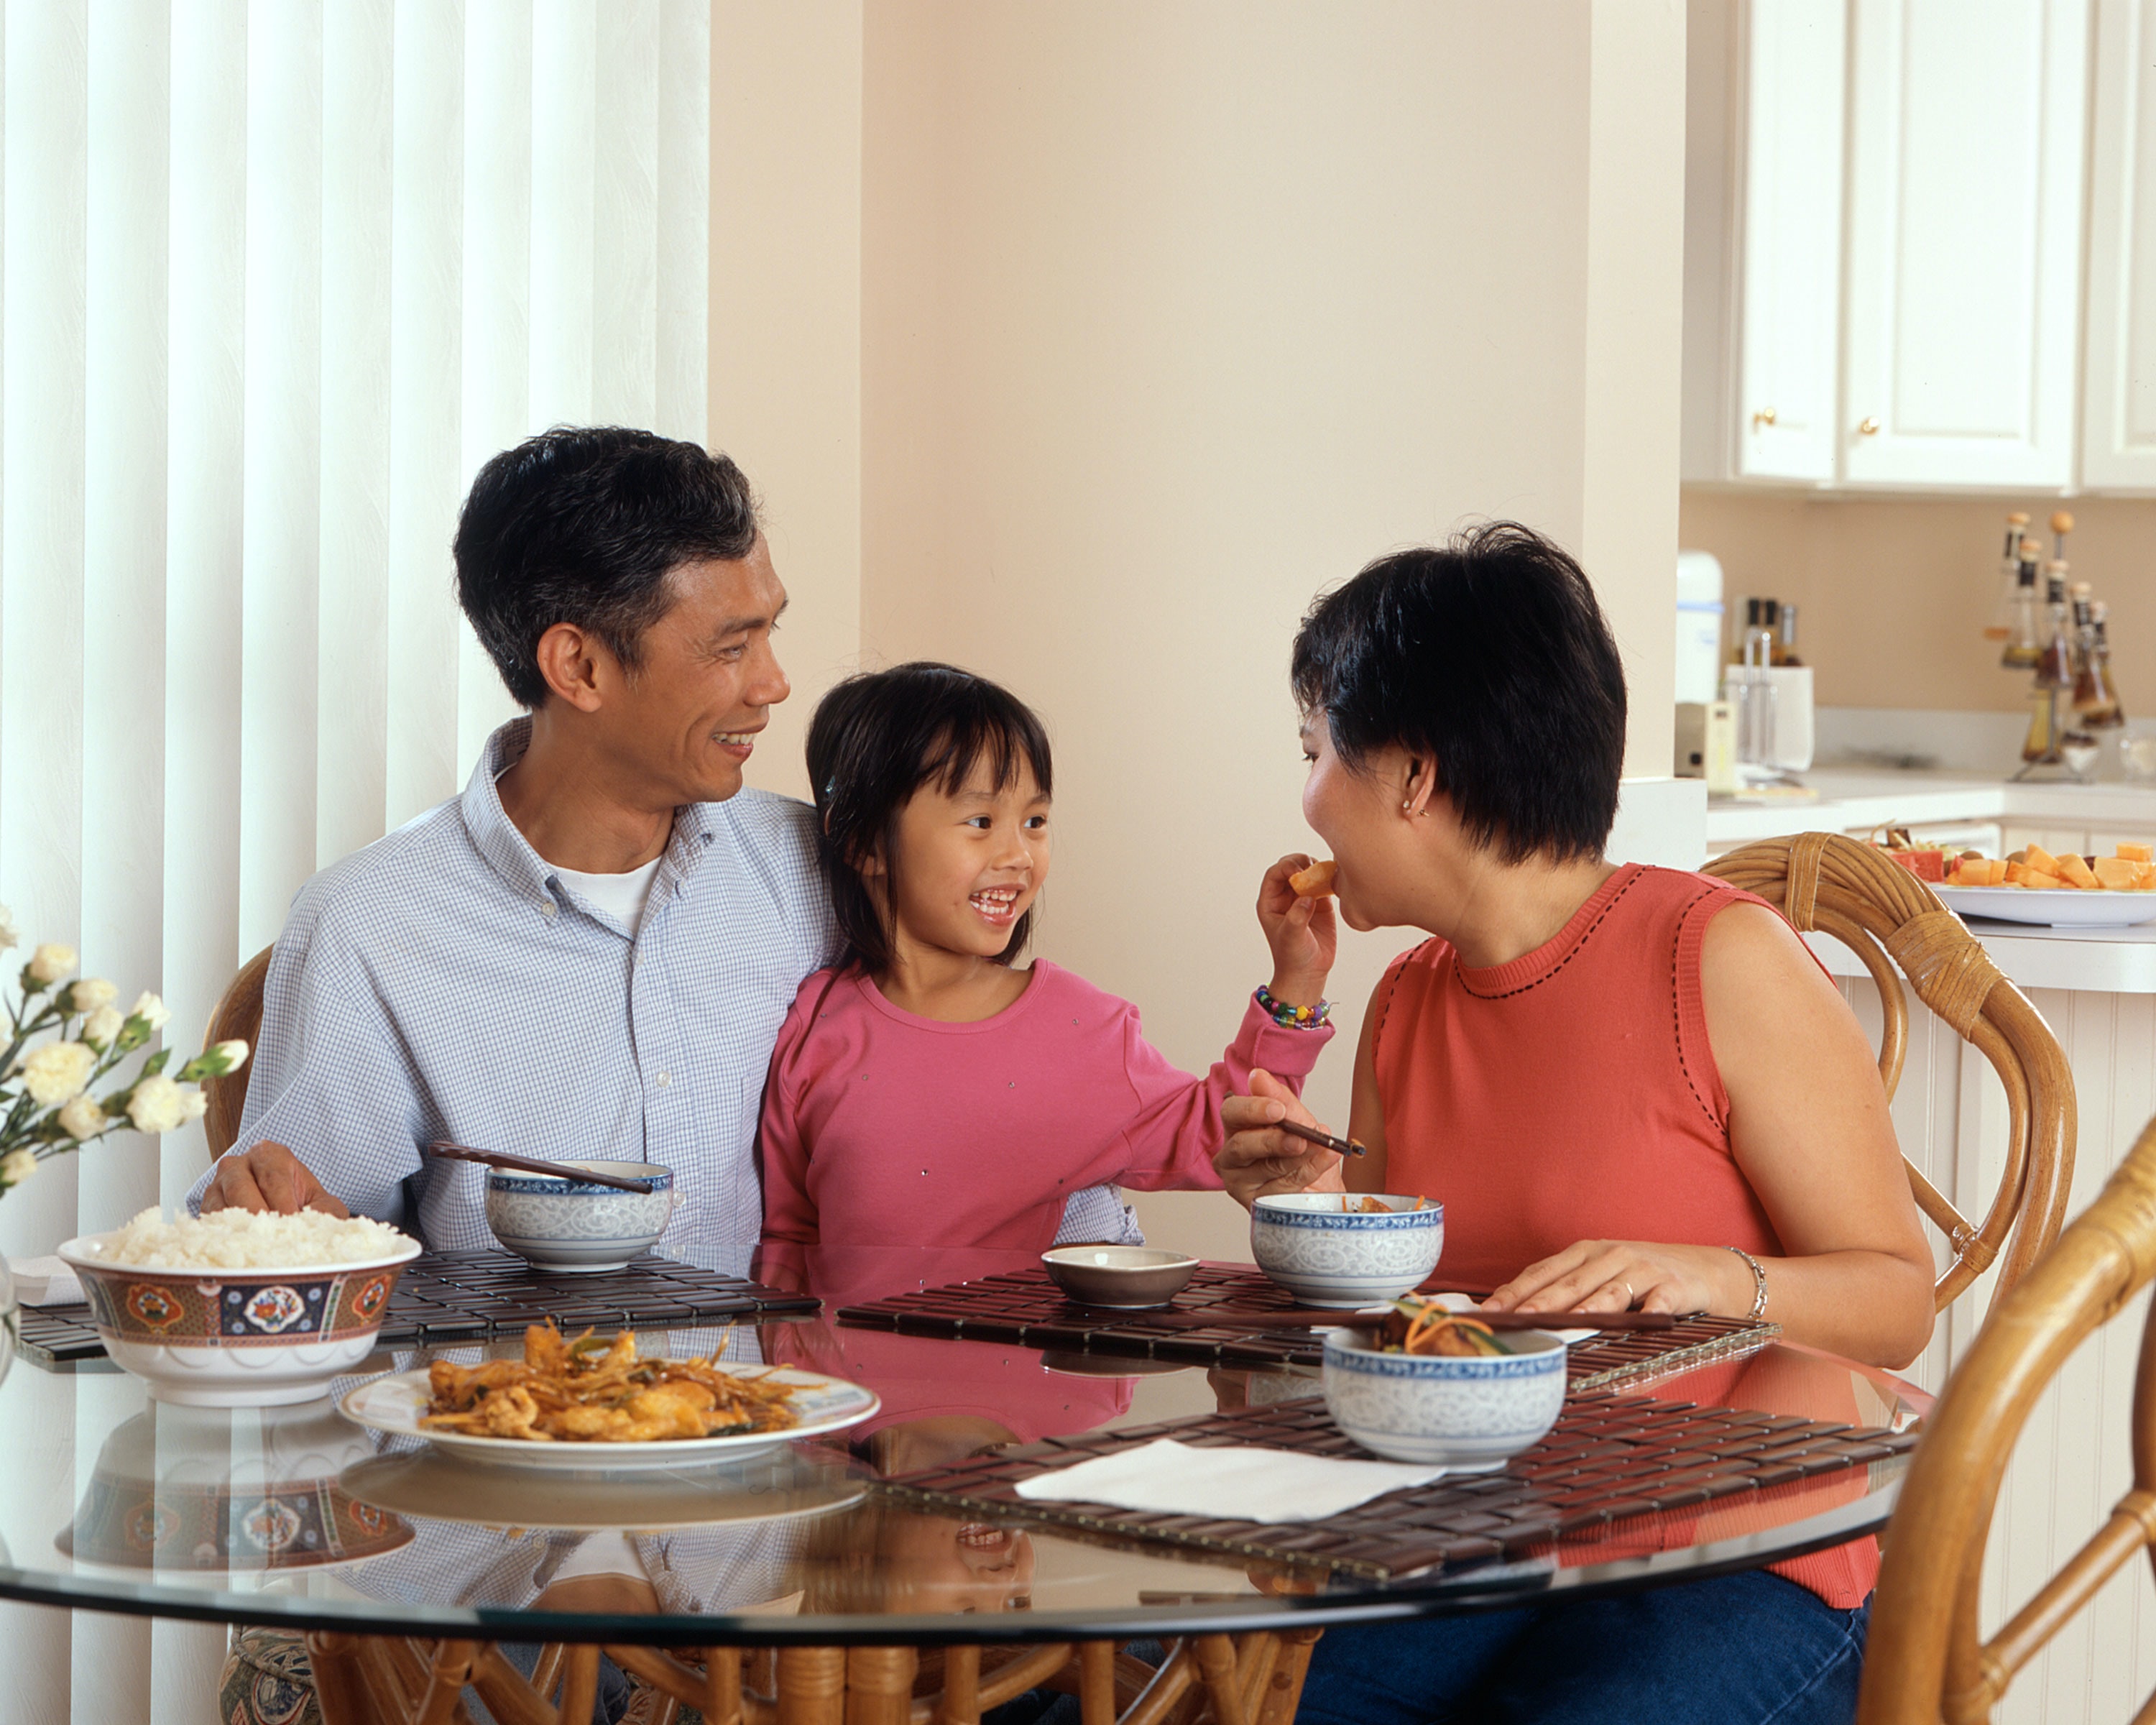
pixel 927 1090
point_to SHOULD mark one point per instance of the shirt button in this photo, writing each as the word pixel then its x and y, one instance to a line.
pixel 663 1080
pixel 546 907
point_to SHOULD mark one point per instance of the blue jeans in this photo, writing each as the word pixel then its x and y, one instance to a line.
pixel 1739 1650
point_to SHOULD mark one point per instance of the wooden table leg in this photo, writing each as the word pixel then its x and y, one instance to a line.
pixel 341 1682
pixel 1284 1691
pixel 811 1686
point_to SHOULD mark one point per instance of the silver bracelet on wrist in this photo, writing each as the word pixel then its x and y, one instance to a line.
pixel 1759 1284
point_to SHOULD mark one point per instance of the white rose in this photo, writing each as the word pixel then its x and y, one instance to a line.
pixel 233 1054
pixel 101 1026
pixel 17 1166
pixel 56 1072
pixel 194 1104
pixel 152 1010
pixel 158 1105
pixel 92 993
pixel 8 937
pixel 83 1118
pixel 51 962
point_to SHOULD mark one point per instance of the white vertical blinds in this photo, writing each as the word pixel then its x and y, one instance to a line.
pixel 275 278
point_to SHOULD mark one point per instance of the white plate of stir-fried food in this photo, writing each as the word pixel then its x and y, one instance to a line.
pixel 583 1405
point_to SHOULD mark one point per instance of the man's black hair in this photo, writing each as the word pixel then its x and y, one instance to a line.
pixel 582 524
pixel 879 737
pixel 1489 653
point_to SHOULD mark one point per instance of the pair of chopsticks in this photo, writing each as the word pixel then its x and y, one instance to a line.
pixel 531 1165
pixel 1201 1319
pixel 1311 1135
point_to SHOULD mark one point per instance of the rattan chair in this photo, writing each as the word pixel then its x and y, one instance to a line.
pixel 239 1013
pixel 1245 1680
pixel 1890 918
pixel 1926 1661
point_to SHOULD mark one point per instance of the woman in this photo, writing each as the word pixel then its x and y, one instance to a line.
pixel 1630 1087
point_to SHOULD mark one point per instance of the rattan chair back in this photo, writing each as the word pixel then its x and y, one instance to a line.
pixel 239 1013
pixel 1889 918
pixel 1926 1660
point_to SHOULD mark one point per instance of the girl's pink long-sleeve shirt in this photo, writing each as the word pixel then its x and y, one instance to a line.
pixel 886 1128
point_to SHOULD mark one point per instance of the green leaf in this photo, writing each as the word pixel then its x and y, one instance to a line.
pixel 154 1064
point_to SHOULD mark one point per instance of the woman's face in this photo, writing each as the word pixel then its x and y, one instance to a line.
pixel 1357 812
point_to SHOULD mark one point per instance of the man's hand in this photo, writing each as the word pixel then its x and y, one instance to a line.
pixel 269 1178
pixel 1258 1161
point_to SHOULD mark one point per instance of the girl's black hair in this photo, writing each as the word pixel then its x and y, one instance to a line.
pixel 876 739
pixel 1489 653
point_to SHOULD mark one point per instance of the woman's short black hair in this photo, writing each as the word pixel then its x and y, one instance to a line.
pixel 875 740
pixel 582 524
pixel 1489 653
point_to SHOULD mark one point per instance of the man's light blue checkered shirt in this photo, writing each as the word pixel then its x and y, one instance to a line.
pixel 443 983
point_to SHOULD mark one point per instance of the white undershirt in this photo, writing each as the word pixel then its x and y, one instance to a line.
pixel 621 897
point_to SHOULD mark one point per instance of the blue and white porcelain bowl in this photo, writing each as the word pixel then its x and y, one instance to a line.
pixel 1326 1255
pixel 1470 1414
pixel 562 1223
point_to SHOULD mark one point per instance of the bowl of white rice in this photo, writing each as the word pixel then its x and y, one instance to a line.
pixel 235 1309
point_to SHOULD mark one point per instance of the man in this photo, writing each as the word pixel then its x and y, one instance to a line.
pixel 589 952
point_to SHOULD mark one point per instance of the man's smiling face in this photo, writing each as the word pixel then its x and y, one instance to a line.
pixel 683 724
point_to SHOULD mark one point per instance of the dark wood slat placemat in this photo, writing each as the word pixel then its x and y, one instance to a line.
pixel 1027 1308
pixel 475 1296
pixel 1608 1458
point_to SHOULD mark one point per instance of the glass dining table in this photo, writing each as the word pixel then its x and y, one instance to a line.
pixel 402 1568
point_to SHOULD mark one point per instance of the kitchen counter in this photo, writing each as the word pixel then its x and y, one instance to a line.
pixel 1857 798
pixel 2091 961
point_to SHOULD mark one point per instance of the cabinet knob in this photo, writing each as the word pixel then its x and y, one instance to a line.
pixel 1867 427
pixel 1765 416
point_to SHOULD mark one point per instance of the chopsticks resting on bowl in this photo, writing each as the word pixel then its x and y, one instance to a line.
pixel 1202 1319
pixel 1311 1135
pixel 532 1165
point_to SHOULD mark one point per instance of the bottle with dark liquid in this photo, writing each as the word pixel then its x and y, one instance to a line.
pixel 1786 636
pixel 2025 643
pixel 2101 709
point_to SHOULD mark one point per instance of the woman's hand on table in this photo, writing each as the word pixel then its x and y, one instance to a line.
pixel 1257 1160
pixel 1302 932
pixel 1625 1274
pixel 268 1176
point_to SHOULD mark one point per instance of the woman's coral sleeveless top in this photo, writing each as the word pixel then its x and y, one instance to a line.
pixel 1572 1094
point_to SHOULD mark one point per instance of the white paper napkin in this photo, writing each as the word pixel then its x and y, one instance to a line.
pixel 45 1282
pixel 1238 1483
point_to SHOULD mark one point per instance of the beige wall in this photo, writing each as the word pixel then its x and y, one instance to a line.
pixel 1173 314
pixel 1895 592
pixel 785 321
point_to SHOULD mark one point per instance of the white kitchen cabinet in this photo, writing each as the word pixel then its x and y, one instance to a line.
pixel 1763 242
pixel 2118 426
pixel 1961 342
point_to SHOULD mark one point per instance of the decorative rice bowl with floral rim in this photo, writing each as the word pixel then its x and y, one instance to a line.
pixel 227 1311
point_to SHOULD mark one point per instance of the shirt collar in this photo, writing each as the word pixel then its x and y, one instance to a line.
pixel 510 853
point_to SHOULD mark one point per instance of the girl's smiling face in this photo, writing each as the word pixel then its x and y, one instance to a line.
pixel 971 861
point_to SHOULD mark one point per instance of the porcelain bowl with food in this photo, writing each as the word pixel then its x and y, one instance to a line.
pixel 558 1222
pixel 1347 1248
pixel 1471 1413
pixel 1123 1278
pixel 236 1309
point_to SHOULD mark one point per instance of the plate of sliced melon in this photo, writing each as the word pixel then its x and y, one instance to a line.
pixel 2068 891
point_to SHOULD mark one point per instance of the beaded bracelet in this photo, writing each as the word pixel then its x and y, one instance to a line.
pixel 1759 1283
pixel 1293 1017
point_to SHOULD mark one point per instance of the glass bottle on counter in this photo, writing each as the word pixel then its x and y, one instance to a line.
pixel 2008 609
pixel 1756 645
pixel 2026 645
pixel 2103 711
pixel 2053 687
pixel 1786 636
